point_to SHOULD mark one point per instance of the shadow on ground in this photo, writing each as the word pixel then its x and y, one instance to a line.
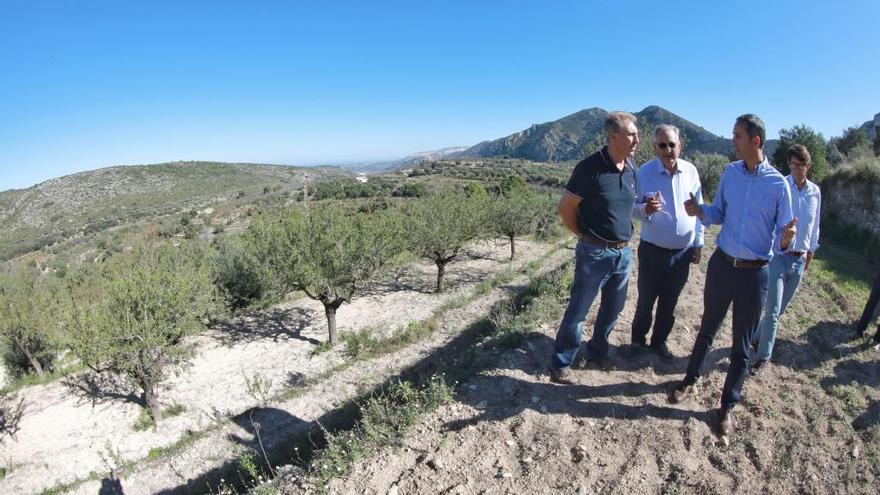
pixel 275 324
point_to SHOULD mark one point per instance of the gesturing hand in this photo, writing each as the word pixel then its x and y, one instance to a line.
pixel 692 208
pixel 653 204
pixel 696 254
pixel 788 233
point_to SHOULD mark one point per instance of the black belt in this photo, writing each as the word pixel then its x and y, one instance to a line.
pixel 796 254
pixel 747 264
pixel 602 243
pixel 654 246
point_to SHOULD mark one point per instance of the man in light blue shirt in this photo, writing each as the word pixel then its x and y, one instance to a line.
pixel 753 206
pixel 787 267
pixel 671 240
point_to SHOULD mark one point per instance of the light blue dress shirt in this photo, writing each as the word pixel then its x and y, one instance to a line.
pixel 753 210
pixel 806 205
pixel 670 227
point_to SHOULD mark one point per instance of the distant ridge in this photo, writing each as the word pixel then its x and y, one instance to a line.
pixel 566 138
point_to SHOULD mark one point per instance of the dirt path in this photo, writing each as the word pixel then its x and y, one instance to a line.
pixel 809 424
pixel 66 434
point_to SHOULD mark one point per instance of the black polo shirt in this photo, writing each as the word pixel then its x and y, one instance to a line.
pixel 607 196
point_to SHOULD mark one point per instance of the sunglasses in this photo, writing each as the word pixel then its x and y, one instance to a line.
pixel 663 146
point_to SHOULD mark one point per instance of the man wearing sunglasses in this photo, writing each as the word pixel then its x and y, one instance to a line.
pixel 671 240
pixel 753 206
pixel 787 267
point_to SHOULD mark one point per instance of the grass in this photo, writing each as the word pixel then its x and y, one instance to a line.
pixel 322 348
pixel 363 344
pixel 386 417
pixel 30 379
pixel 145 421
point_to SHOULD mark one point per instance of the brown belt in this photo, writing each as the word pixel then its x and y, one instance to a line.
pixel 602 243
pixel 796 254
pixel 738 263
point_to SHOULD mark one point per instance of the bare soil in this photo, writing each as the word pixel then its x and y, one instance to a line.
pixel 808 424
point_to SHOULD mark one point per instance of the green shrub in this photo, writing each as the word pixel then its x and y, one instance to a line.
pixel 28 323
pixel 237 274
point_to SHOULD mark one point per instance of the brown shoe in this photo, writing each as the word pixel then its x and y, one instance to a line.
pixel 562 376
pixel 725 421
pixel 681 392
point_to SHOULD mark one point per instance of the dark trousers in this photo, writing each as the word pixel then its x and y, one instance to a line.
pixel 870 310
pixel 746 288
pixel 662 275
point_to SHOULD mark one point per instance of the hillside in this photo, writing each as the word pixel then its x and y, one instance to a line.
pixel 86 202
pixel 871 127
pixel 568 137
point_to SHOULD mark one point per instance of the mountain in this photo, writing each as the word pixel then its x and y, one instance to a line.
pixel 871 127
pixel 566 138
pixel 407 161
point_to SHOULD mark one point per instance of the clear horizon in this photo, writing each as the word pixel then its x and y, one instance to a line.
pixel 93 84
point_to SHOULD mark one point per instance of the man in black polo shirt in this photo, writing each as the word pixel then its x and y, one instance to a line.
pixel 597 206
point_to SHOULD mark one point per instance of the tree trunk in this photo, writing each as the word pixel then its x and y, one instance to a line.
pixel 441 269
pixel 151 400
pixel 330 310
pixel 35 363
pixel 512 248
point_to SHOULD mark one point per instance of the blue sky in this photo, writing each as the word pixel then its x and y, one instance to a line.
pixel 88 84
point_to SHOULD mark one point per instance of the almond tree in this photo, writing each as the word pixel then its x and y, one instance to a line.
pixel 133 317
pixel 515 215
pixel 26 306
pixel 440 225
pixel 327 252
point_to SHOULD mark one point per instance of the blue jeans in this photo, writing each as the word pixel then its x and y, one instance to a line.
pixel 784 278
pixel 596 269
pixel 745 289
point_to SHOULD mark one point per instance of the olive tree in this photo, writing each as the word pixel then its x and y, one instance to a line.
pixel 709 166
pixel 134 314
pixel 327 252
pixel 812 140
pixel 26 323
pixel 440 225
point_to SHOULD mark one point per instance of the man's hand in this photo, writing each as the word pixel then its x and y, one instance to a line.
pixel 692 208
pixel 653 204
pixel 788 234
pixel 696 254
pixel 809 259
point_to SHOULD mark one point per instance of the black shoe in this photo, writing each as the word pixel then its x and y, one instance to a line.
pixel 725 421
pixel 562 376
pixel 663 351
pixel 681 392
pixel 636 349
pixel 757 366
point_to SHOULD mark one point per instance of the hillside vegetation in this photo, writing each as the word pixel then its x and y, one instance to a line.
pixel 89 202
